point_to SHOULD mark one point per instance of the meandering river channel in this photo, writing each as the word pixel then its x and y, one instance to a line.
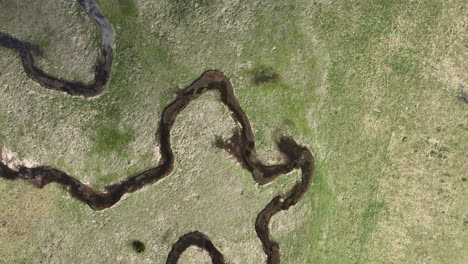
pixel 241 145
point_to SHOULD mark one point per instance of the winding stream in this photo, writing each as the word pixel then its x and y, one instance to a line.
pixel 241 145
pixel 102 69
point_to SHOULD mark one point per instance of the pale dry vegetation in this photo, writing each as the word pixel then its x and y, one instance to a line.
pixel 371 87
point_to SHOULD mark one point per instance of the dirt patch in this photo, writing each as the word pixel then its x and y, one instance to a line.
pixel 138 246
pixel 263 74
pixel 11 160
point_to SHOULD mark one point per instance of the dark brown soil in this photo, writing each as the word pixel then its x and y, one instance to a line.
pixel 138 246
pixel 241 145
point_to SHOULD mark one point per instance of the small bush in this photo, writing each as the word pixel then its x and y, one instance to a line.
pixel 263 74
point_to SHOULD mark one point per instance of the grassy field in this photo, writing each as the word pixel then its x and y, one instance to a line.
pixel 371 87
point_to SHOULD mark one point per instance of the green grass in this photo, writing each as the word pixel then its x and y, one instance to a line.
pixel 3 121
pixel 349 79
pixel 111 139
pixel 403 64
pixel 128 8
pixel 181 9
pixel 370 218
pixel 262 74
pixel 120 11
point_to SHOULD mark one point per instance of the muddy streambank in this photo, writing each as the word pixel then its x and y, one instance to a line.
pixel 199 240
pixel 241 145
pixel 102 70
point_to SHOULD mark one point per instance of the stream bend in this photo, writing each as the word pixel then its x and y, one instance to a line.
pixel 26 51
pixel 241 145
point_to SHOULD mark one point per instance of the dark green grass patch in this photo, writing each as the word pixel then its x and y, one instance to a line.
pixel 403 64
pixel 111 139
pixel 180 9
pixel 370 218
pixel 263 74
pixel 128 8
pixel 119 11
